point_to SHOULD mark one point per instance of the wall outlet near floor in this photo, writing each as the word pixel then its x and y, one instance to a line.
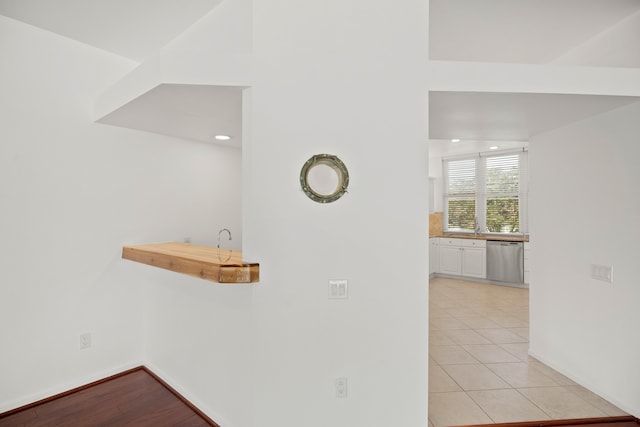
pixel 602 272
pixel 85 341
pixel 341 387
pixel 338 289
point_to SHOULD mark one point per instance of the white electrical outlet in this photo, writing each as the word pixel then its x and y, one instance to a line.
pixel 341 387
pixel 85 341
pixel 602 272
pixel 338 289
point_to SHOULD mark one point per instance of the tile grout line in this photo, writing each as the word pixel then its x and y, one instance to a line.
pixel 481 408
pixel 534 404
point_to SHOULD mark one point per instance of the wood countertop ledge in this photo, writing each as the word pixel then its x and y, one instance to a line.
pixel 221 266
pixel 502 237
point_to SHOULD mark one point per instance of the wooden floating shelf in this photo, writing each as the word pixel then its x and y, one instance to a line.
pixel 221 266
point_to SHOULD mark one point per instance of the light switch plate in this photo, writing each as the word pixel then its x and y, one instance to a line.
pixel 338 289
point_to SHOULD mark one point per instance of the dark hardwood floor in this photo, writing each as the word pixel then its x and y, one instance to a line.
pixel 133 398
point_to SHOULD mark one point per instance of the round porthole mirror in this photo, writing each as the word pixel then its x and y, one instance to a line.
pixel 324 178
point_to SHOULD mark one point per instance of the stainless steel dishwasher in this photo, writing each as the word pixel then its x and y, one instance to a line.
pixel 505 261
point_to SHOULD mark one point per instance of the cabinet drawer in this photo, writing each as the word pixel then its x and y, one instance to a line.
pixel 474 243
pixel 444 241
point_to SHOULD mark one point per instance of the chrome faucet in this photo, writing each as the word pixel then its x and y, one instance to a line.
pixel 230 251
pixel 476 226
pixel 220 232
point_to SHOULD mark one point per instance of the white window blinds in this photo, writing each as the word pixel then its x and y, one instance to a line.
pixel 460 193
pixel 487 192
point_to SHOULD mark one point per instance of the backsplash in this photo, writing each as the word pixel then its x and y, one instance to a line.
pixel 435 224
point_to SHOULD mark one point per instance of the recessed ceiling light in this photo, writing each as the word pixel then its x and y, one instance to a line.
pixel 493 147
pixel 222 137
pixel 455 140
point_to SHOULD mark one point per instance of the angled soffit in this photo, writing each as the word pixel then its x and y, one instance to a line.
pixel 511 116
pixel 133 29
pixel 522 31
pixel 195 112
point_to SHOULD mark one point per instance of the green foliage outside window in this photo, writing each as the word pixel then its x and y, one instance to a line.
pixel 503 215
pixel 462 214
pixel 503 211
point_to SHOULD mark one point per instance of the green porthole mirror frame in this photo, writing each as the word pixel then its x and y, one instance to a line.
pixel 324 178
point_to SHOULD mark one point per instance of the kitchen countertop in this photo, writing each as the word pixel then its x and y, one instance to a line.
pixel 199 261
pixel 502 237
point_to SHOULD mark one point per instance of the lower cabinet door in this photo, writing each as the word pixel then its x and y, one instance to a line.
pixel 474 263
pixel 450 260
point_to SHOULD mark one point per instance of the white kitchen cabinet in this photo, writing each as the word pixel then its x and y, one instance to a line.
pixel 450 251
pixel 434 263
pixel 463 257
pixel 474 258
pixel 527 251
pixel 450 260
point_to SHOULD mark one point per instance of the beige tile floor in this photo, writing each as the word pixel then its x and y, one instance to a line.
pixel 479 368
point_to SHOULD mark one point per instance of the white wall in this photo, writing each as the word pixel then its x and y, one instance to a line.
pixel 72 193
pixel 435 172
pixel 265 354
pixel 199 340
pixel 345 78
pixel 615 47
pixel 584 210
pixel 226 28
pixel 198 333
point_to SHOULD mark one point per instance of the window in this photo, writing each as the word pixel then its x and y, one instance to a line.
pixel 486 192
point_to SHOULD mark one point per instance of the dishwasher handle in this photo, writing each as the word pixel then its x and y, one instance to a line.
pixel 502 243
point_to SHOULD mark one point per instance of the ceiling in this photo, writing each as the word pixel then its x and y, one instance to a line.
pixel 485 116
pixel 196 112
pixel 527 32
pixel 520 31
pixel 133 29
pixel 511 31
